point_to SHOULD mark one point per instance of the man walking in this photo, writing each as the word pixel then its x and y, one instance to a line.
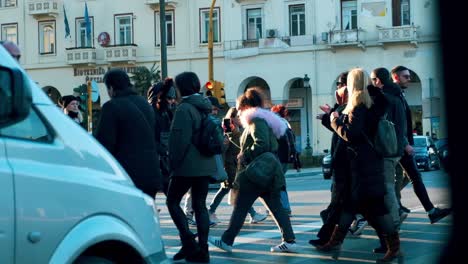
pixel 401 76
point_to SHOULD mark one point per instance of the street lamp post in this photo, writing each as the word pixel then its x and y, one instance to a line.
pixel 306 80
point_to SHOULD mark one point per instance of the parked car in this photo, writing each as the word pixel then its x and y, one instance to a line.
pixel 426 153
pixel 64 198
pixel 326 166
pixel 442 151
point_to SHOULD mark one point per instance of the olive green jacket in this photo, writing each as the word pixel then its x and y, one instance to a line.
pixel 261 133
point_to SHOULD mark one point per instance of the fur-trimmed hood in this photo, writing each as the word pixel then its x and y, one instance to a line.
pixel 277 125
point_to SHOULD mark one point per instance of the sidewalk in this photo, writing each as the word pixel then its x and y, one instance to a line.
pixel 292 173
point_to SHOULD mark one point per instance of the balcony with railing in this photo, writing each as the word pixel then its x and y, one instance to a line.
pixel 43 8
pixel 77 56
pixel 406 33
pixel 353 37
pixel 121 53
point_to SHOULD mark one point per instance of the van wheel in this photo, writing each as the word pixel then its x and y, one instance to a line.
pixel 92 260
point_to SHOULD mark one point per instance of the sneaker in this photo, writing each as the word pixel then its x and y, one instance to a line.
pixel 360 225
pixel 217 242
pixel 214 218
pixel 285 247
pixel 212 223
pixel 257 218
pixel 191 222
pixel 353 226
pixel 439 214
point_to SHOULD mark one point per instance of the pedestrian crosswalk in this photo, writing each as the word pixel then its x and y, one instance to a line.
pixel 254 241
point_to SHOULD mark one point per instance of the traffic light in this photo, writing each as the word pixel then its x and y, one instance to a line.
pixel 209 88
pixel 218 92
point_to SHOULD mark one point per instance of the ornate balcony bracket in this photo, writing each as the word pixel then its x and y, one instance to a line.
pixel 43 8
pixel 346 38
pixel 399 34
pixel 121 54
pixel 81 56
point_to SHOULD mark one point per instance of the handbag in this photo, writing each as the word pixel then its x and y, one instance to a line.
pixel 220 175
pixel 263 170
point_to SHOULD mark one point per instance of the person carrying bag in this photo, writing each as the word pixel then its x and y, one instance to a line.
pixel 259 172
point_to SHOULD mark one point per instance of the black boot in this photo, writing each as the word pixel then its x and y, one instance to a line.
pixel 201 255
pixel 317 242
pixel 188 245
pixel 383 245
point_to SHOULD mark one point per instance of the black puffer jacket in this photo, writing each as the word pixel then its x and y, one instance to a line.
pixel 126 130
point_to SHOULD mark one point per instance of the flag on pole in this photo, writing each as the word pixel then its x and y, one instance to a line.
pixel 88 24
pixel 65 20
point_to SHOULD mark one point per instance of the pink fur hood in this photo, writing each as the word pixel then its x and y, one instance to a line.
pixel 273 120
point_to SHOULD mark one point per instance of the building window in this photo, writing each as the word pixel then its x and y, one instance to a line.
pixel 401 12
pixel 348 15
pixel 82 41
pixel 297 20
pixel 170 30
pixel 47 37
pixel 405 12
pixel 205 25
pixel 10 32
pixel 8 3
pixel 124 29
pixel 254 23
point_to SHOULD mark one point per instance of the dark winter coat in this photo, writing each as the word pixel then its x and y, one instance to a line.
pixel 185 159
pixel 338 150
pixel 262 129
pixel 367 167
pixel 126 130
pixel 396 114
pixel 409 121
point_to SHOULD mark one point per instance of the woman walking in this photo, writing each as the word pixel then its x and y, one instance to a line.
pixel 262 129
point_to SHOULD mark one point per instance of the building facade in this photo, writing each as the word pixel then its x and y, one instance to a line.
pixel 273 44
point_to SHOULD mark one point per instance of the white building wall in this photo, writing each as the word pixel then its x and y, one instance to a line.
pixel 274 61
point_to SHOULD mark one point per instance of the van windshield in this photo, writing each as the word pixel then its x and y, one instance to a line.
pixel 420 142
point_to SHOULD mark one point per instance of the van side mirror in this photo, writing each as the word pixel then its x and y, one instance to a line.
pixel 15 96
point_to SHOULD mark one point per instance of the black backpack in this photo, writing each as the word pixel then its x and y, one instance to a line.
pixel 385 139
pixel 286 147
pixel 209 137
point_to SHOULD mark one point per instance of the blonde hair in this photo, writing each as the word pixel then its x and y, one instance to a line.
pixel 357 81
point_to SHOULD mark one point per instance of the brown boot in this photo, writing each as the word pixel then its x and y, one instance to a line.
pixel 335 241
pixel 393 248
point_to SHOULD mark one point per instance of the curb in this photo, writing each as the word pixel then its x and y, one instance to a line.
pixel 295 174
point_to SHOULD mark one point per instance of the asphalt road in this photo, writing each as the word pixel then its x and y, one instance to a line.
pixel 421 242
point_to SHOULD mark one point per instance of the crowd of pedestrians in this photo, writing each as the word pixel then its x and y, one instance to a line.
pixel 153 140
pixel 161 156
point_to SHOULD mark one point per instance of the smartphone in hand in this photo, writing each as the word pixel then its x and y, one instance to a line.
pixel 227 125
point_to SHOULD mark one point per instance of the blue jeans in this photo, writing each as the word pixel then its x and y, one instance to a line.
pixel 284 193
pixel 219 197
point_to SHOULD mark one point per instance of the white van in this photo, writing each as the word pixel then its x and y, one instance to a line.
pixel 63 197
